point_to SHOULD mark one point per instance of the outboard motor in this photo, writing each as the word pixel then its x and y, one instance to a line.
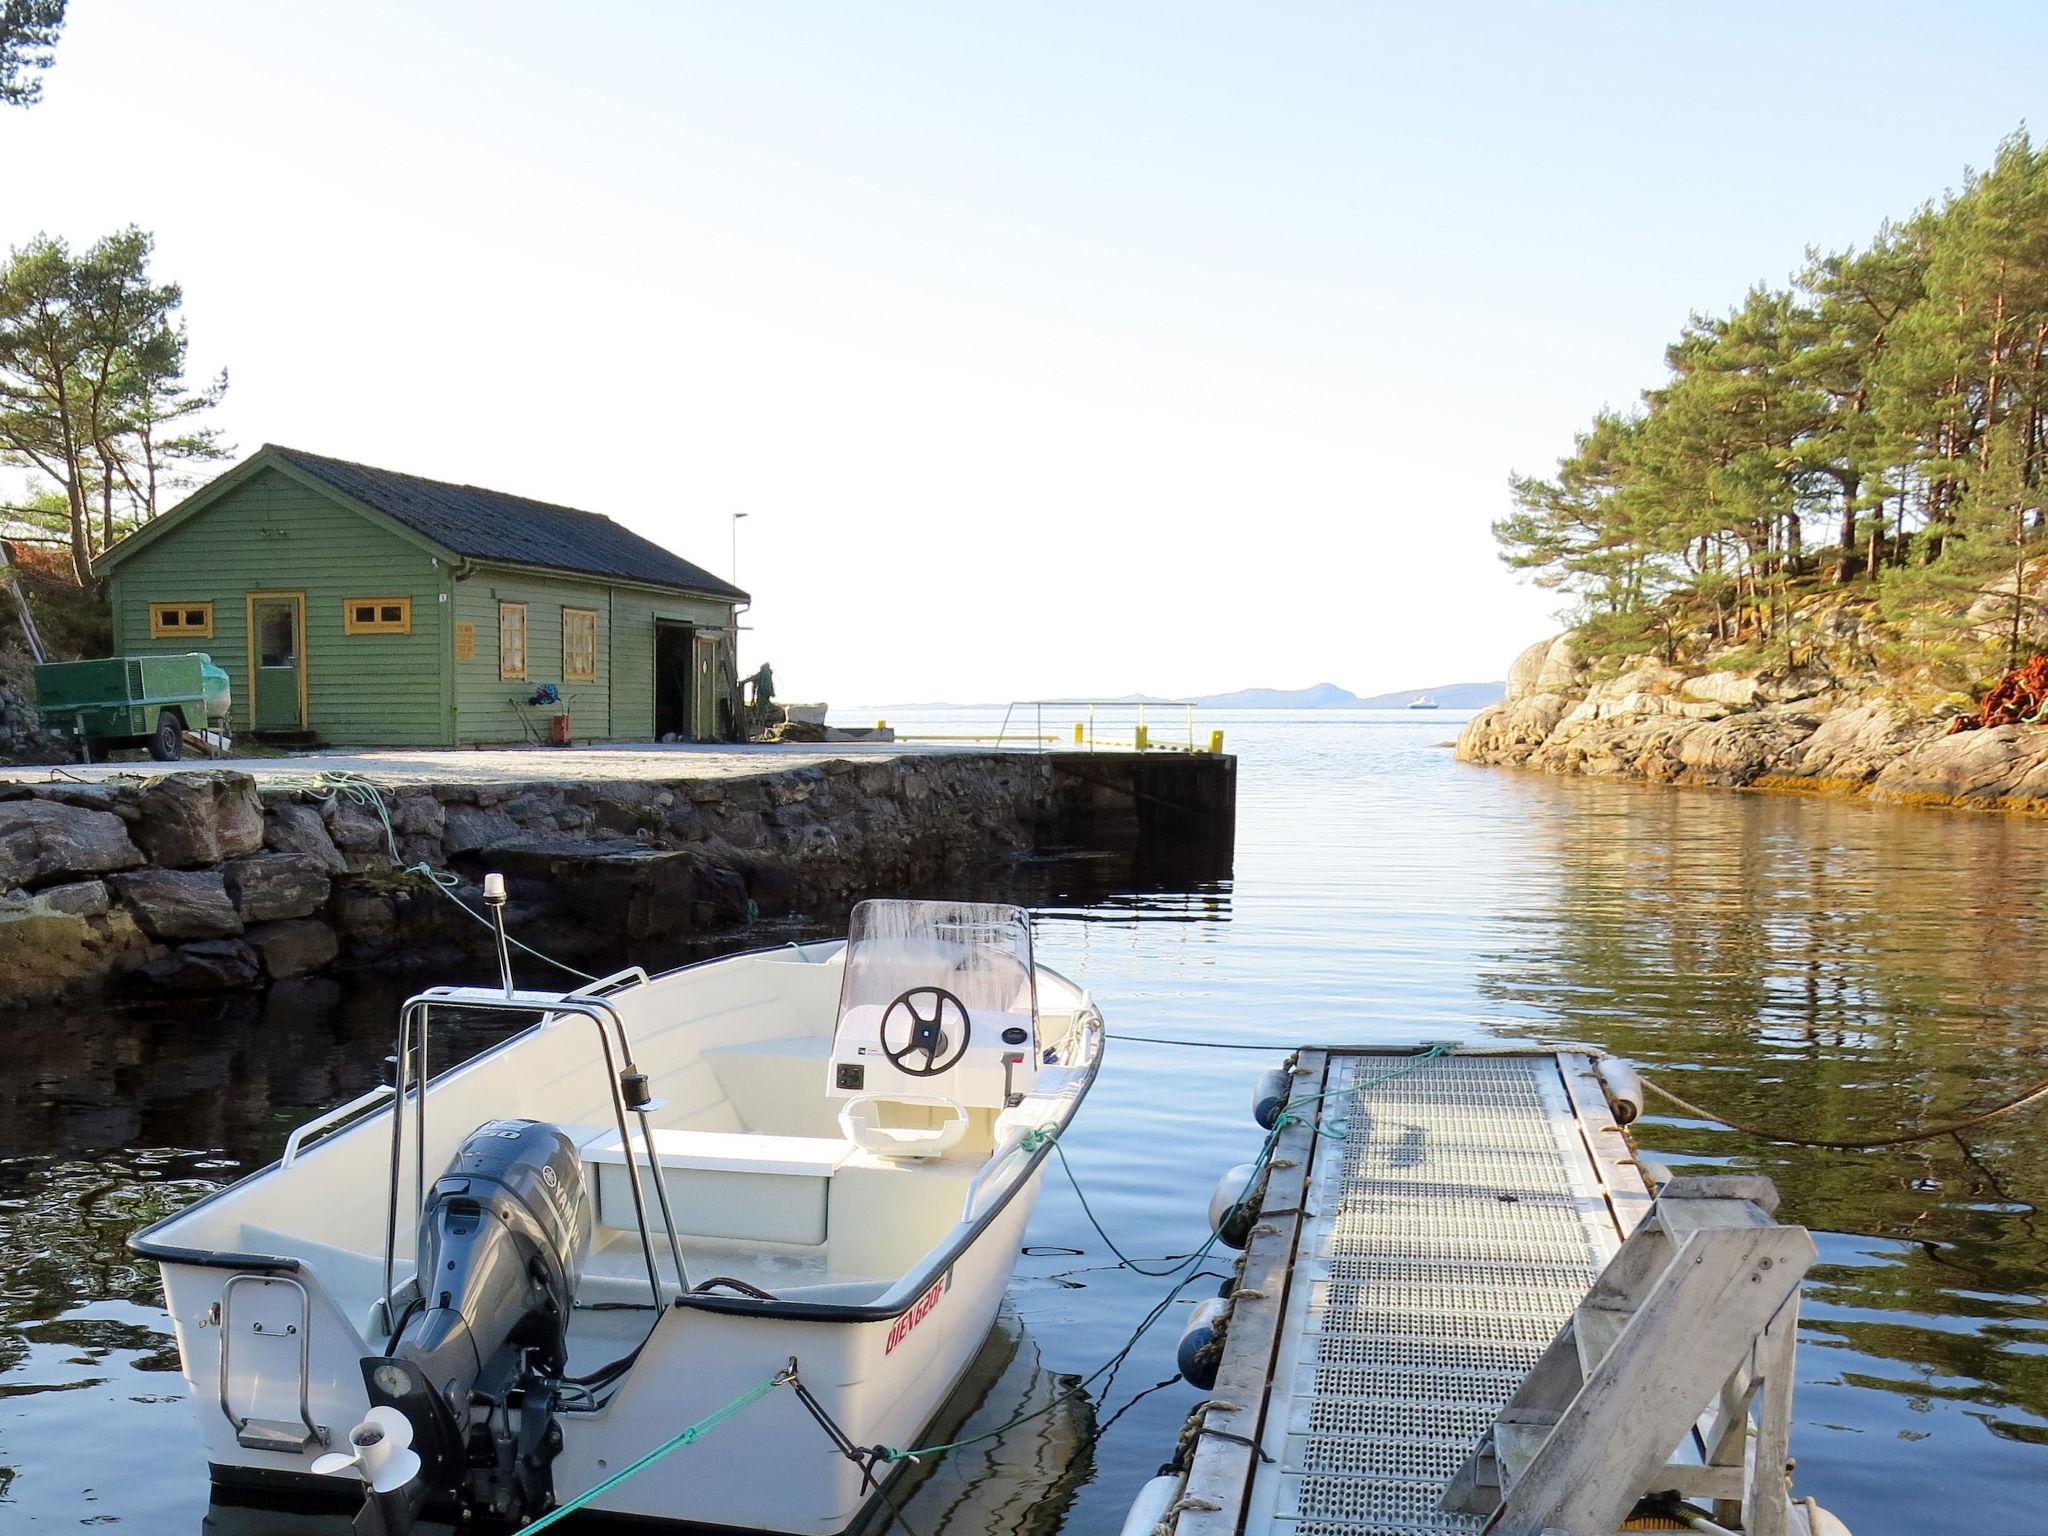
pixel 501 1242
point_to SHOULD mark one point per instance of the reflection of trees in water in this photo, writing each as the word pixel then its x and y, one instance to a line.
pixel 1838 972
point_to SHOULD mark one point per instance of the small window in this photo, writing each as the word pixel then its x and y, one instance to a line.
pixel 512 640
pixel 377 615
pixel 465 641
pixel 579 645
pixel 181 621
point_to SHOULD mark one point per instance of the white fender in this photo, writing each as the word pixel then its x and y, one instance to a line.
pixel 1197 1368
pixel 1149 1508
pixel 1230 1190
pixel 1269 1096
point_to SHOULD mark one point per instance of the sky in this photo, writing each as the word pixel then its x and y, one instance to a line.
pixel 1048 349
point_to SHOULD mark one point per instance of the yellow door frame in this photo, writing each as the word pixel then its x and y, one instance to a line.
pixel 249 602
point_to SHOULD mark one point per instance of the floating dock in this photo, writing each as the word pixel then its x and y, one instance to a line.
pixel 1427 1304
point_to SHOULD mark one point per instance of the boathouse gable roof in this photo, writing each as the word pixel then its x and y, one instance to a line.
pixel 462 522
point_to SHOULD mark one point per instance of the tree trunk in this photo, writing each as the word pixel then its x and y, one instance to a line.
pixel 81 531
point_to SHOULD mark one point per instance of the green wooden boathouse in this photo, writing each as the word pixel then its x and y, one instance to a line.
pixel 359 606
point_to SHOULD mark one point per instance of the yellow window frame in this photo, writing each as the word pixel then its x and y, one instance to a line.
pixel 385 616
pixel 511 647
pixel 177 628
pixel 579 656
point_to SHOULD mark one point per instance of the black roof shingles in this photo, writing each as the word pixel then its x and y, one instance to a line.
pixel 492 525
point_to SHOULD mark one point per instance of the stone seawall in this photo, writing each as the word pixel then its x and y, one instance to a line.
pixel 205 881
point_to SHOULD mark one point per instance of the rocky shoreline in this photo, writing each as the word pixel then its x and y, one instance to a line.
pixel 204 881
pixel 1802 731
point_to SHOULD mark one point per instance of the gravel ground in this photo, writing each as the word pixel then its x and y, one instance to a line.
pixel 636 762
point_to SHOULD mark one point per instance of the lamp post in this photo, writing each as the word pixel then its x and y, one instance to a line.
pixel 736 546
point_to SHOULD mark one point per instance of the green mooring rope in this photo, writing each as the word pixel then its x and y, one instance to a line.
pixel 359 790
pixel 689 1435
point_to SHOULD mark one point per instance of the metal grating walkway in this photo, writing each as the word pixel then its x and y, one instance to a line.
pixel 1440 1246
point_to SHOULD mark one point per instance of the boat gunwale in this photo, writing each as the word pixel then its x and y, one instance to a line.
pixel 142 1245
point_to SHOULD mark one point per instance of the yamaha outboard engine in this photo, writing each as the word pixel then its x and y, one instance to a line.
pixel 501 1242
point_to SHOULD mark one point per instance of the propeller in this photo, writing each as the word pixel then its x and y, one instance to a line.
pixel 380 1452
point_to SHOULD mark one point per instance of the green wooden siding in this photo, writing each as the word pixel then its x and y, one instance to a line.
pixel 483 700
pixel 633 618
pixel 273 535
pixel 620 704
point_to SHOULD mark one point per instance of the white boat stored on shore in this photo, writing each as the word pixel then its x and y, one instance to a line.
pixel 807 1167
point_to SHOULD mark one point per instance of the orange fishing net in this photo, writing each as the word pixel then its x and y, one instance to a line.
pixel 2018 698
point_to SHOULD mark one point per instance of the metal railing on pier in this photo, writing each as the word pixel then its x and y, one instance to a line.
pixel 1125 730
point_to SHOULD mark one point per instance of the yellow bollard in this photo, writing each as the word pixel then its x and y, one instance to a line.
pixel 1215 741
pixel 1077 733
pixel 1144 739
pixel 881 725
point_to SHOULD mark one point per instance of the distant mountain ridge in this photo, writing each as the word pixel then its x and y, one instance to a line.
pixel 1316 696
pixel 1330 696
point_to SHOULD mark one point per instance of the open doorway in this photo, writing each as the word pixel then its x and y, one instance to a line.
pixel 673 647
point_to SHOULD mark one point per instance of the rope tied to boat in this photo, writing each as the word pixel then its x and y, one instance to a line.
pixel 690 1434
pixel 1435 1050
pixel 358 789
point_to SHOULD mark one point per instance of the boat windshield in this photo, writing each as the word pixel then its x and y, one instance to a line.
pixel 978 951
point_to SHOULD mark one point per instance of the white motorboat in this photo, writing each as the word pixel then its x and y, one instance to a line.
pixel 809 1167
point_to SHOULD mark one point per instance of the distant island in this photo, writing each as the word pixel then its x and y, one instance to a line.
pixel 1330 696
pixel 1317 696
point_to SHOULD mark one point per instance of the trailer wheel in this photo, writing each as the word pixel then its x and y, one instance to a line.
pixel 168 744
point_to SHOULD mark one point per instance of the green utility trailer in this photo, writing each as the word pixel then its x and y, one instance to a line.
pixel 135 701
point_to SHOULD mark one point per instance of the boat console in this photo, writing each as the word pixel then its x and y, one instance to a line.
pixel 938 1015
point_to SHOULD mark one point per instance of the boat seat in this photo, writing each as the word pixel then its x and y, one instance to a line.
pixel 724 1184
pixel 868 1122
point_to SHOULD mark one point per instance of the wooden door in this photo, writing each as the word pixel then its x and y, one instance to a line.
pixel 277 661
pixel 704 690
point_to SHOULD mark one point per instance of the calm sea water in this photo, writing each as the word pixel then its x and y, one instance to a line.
pixel 1832 969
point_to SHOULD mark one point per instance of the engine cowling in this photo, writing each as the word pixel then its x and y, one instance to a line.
pixel 502 1240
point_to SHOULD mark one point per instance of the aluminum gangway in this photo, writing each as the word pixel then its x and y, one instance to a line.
pixel 1462 1310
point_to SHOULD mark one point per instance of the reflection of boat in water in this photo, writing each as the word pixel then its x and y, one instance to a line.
pixel 839 1146
pixel 1021 1484
pixel 1423 701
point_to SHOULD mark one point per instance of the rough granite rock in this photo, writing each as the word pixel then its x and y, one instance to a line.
pixel 293 827
pixel 1800 729
pixel 191 819
pixel 293 947
pixel 2005 765
pixel 359 834
pixel 43 841
pixel 179 904
pixel 469 829
pixel 1853 745
pixel 45 954
pixel 268 886
pixel 80 898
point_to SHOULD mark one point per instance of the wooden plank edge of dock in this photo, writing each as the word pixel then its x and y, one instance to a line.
pixel 1220 1469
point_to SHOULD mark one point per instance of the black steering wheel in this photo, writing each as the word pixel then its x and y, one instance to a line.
pixel 941 1040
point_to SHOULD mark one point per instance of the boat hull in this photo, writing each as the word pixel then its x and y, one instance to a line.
pixel 882 1380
